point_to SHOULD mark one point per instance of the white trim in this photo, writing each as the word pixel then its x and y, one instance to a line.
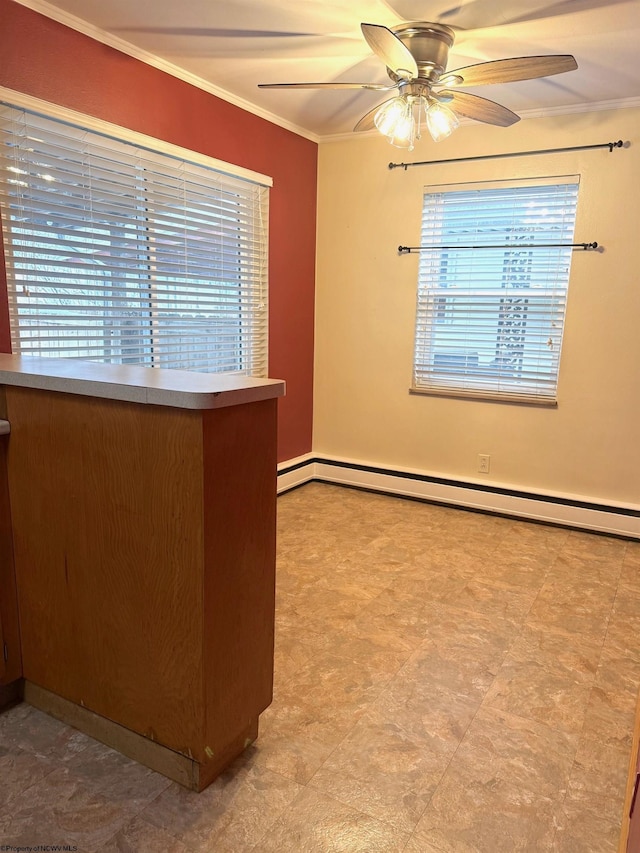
pixel 540 506
pixel 125 134
pixel 104 37
pixel 570 109
pixel 303 474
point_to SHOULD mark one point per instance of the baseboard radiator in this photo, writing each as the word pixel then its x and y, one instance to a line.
pixel 566 510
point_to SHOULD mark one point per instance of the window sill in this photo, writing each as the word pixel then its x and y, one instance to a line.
pixel 488 396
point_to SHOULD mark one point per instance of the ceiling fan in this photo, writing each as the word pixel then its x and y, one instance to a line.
pixel 416 55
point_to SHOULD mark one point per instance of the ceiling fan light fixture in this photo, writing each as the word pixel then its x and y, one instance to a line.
pixel 416 56
pixel 404 139
pixel 441 121
pixel 402 119
pixel 394 118
pixel 396 121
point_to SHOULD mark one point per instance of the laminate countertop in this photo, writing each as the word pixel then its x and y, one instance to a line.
pixel 131 383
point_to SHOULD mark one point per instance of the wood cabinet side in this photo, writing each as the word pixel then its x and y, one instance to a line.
pixel 11 667
pixel 106 501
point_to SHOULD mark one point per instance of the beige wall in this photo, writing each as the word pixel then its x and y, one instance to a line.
pixel 365 309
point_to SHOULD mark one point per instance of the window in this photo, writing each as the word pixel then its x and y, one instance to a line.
pixel 492 291
pixel 119 253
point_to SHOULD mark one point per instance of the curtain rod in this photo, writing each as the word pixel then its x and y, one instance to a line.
pixel 406 250
pixel 609 145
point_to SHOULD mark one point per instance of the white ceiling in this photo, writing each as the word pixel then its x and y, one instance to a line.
pixel 232 45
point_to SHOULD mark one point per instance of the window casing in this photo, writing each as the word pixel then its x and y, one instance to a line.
pixel 489 319
pixel 119 253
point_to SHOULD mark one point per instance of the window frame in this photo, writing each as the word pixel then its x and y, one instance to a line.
pixel 427 294
pixel 162 151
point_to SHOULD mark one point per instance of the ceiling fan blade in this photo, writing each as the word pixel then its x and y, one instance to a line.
pixel 480 109
pixel 511 70
pixel 388 47
pixel 366 122
pixel 378 87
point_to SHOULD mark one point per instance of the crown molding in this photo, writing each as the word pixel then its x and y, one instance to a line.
pixel 98 34
pixel 571 109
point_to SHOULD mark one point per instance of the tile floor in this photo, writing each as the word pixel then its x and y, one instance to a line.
pixel 445 681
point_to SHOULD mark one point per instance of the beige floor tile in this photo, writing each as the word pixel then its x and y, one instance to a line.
pixel 139 836
pixel 623 629
pixel 595 547
pixel 357 569
pixel 512 566
pixel 612 702
pixel 423 709
pixel 553 648
pixel 522 753
pixel 366 649
pixel 600 768
pixel 476 639
pixel 572 609
pixel 502 602
pixel 297 749
pixel 316 823
pixel 229 816
pixel 630 573
pixel 27 728
pixel 587 823
pixel 430 585
pixel 290 654
pixel 392 620
pixel 313 712
pixel 442 667
pixel 467 816
pixel 454 557
pixel 386 770
pixel 536 539
pixel 85 802
pixel 19 770
pixel 534 691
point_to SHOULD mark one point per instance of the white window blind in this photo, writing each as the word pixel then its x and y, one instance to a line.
pixel 489 320
pixel 118 253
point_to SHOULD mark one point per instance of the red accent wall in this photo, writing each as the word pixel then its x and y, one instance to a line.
pixel 43 58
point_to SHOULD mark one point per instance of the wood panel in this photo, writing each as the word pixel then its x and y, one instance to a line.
pixel 107 512
pixel 3 665
pixel 240 526
pixel 10 669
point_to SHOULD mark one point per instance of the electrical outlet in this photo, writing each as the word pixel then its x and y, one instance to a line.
pixel 484 461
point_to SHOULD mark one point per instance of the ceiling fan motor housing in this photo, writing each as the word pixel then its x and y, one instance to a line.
pixel 429 45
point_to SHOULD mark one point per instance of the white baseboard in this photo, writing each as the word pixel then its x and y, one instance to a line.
pixel 567 510
pixel 295 472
